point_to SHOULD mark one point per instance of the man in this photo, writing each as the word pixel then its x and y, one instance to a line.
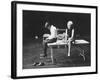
pixel 70 34
pixel 50 38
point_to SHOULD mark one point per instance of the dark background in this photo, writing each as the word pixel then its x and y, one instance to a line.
pixel 33 25
pixel 33 22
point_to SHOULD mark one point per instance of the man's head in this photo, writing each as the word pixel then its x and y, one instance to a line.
pixel 47 25
pixel 69 24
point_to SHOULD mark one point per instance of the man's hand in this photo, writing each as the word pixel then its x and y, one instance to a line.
pixel 46 40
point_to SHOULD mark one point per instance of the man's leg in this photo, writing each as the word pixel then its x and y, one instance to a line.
pixel 45 42
pixel 45 48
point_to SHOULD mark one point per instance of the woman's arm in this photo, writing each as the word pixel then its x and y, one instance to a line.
pixel 72 34
pixel 66 36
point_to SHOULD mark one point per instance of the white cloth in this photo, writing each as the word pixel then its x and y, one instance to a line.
pixel 81 42
pixel 53 32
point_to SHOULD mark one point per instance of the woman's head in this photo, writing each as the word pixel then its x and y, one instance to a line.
pixel 69 24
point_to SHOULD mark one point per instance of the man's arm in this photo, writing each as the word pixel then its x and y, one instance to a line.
pixel 46 35
pixel 53 33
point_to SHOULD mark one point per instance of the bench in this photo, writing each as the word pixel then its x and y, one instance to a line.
pixel 77 43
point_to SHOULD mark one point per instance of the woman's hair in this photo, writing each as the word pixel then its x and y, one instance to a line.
pixel 70 22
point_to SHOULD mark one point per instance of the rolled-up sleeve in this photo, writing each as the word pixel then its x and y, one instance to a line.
pixel 53 32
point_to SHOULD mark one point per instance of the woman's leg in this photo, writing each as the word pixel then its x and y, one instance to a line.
pixel 69 47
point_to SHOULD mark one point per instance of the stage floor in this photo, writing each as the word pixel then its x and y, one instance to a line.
pixel 33 49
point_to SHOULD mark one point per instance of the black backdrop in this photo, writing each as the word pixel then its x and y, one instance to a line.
pixel 33 22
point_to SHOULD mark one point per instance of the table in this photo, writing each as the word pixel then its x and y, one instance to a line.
pixel 77 43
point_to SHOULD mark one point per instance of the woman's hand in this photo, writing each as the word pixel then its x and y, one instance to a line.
pixel 69 40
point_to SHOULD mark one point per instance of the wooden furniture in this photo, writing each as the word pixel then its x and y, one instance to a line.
pixel 76 44
pixel 62 41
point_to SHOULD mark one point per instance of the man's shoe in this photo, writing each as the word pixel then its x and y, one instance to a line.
pixel 41 64
pixel 35 63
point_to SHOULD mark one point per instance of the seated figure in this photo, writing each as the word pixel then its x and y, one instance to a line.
pixel 49 38
pixel 70 35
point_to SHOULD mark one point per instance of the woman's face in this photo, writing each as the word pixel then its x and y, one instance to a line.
pixel 69 24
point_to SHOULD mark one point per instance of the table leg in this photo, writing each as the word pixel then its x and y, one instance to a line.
pixel 69 47
pixel 81 52
pixel 52 55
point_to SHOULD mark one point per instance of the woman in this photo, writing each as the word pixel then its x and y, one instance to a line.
pixel 70 35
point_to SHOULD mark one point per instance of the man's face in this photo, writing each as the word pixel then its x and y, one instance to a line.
pixel 47 25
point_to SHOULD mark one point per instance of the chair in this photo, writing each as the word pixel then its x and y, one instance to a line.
pixel 61 40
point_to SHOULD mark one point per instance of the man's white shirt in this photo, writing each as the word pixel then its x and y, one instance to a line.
pixel 53 32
